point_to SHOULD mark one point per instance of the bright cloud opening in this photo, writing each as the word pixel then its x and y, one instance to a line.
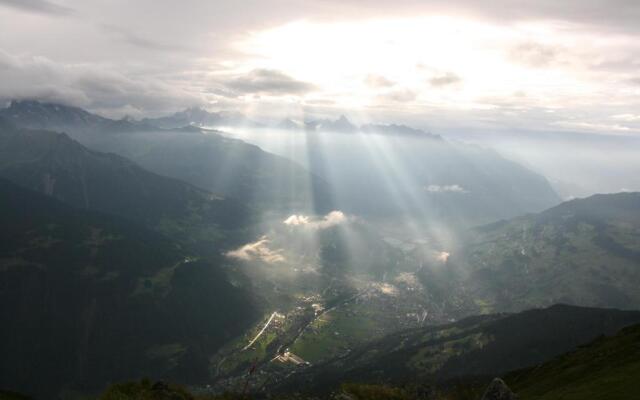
pixel 331 219
pixel 257 251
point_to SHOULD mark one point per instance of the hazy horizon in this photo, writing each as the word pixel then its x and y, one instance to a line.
pixel 541 66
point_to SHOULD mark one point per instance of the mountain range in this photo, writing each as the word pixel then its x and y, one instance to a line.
pixel 58 166
pixel 226 167
pixel 58 117
pixel 199 117
pixel 163 249
pixel 390 171
pixel 433 180
pixel 196 116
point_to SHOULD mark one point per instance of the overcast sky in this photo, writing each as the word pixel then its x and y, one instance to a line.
pixel 531 64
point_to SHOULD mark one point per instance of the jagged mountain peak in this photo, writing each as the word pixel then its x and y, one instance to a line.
pixel 199 116
pixel 77 122
pixel 342 124
pixel 398 130
pixel 41 114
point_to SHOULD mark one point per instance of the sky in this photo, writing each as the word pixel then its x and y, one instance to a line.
pixel 541 65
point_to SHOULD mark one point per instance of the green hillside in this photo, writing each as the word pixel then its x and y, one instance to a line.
pixel 484 346
pixel 606 369
pixel 87 298
pixel 58 166
pixel 583 252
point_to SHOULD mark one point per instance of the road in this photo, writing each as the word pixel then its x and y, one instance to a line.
pixel 264 328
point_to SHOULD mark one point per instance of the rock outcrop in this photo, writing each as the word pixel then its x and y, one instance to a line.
pixel 498 390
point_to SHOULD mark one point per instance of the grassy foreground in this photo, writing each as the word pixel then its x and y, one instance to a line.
pixel 607 368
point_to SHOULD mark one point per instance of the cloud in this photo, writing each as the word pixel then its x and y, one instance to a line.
pixel 443 256
pixel 446 79
pixel 145 49
pixel 626 117
pixel 332 219
pixel 614 15
pixel 295 220
pixel 534 54
pixel 135 39
pixel 401 95
pixel 257 251
pixel 109 91
pixel 592 126
pixel 37 6
pixel 378 81
pixel 446 189
pixel 267 82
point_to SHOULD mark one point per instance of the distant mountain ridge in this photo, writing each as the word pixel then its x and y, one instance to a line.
pixel 343 125
pixel 35 114
pixel 58 166
pixel 207 160
pixel 198 116
pixel 404 172
pixel 620 207
pixel 437 178
pixel 425 178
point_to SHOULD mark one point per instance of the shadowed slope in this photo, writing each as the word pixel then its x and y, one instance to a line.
pixel 87 298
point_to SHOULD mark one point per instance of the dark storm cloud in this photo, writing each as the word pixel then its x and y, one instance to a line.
pixel 37 6
pixel 269 82
pixel 93 87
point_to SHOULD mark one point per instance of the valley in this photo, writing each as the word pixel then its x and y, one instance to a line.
pixel 276 277
pixel 319 200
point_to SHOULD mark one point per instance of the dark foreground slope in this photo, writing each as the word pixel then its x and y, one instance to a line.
pixel 606 369
pixel 477 346
pixel 87 299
